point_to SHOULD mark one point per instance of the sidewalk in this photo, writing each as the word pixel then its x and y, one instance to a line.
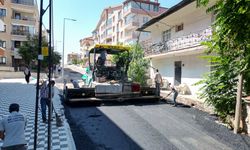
pixel 17 91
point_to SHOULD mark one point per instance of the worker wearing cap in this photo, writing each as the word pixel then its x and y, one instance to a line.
pixel 12 129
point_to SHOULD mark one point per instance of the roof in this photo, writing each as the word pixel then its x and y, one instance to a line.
pixel 2 51
pixel 165 14
pixel 148 2
pixel 110 49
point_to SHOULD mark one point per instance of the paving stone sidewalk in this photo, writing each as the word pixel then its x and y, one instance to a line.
pixel 17 91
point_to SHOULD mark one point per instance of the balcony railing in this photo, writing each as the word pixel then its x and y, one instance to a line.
pixel 131 24
pixel 183 42
pixel 23 2
pixel 16 32
pixel 24 18
pixel 131 36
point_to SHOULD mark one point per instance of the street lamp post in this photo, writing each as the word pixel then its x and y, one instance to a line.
pixel 63 47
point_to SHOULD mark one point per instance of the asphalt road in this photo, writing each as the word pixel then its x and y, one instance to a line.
pixel 152 126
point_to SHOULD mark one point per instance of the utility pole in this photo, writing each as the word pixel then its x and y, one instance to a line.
pixel 238 104
pixel 38 72
pixel 40 57
pixel 50 71
pixel 64 80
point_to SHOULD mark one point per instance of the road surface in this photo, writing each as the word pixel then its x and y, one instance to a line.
pixel 152 126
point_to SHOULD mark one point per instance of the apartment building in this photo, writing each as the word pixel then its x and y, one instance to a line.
pixel 118 24
pixel 85 45
pixel 73 57
pixel 176 48
pixel 20 18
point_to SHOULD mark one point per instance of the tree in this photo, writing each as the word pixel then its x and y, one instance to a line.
pixel 75 61
pixel 230 44
pixel 138 66
pixel 56 57
pixel 29 49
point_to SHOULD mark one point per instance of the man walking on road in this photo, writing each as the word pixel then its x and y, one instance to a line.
pixel 12 129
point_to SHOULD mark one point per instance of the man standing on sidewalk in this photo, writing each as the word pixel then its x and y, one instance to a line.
pixel 44 94
pixel 12 129
pixel 158 82
pixel 27 74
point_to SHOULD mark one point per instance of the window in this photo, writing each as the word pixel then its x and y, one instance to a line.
pixel 117 27
pixel 166 35
pixel 2 60
pixel 2 12
pixel 109 21
pixel 3 44
pixel 125 7
pixel 117 37
pixel 145 19
pixel 17 16
pixel 179 27
pixel 4 30
pixel 109 31
pixel 17 44
pixel 136 5
pixel 121 34
pixel 129 18
pixel 145 6
pixel 119 15
pixel 156 8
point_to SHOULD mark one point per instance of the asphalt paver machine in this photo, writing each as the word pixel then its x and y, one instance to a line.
pixel 107 80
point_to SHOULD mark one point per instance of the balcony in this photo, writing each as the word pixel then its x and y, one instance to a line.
pixel 108 36
pixel 23 2
pixel 24 20
pixel 131 25
pixel 18 32
pixel 176 44
pixel 130 36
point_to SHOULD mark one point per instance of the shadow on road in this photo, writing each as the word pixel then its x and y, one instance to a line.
pixel 88 134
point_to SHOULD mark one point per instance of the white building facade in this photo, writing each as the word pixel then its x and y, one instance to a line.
pixel 176 48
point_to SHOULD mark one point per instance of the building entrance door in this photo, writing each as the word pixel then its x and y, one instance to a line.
pixel 177 72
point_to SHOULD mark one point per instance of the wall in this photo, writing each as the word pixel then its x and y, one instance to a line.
pixel 194 20
pixel 192 70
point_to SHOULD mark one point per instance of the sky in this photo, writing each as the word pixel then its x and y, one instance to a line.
pixel 86 13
